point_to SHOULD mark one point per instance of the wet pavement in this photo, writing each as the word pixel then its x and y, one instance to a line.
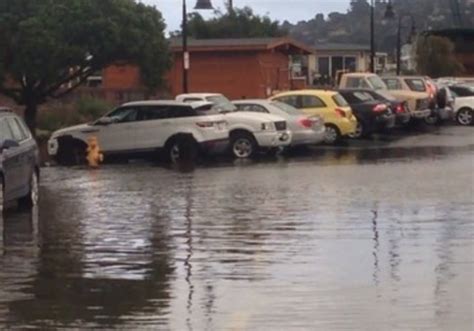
pixel 369 236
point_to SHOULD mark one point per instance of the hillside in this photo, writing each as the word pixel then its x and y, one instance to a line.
pixel 354 26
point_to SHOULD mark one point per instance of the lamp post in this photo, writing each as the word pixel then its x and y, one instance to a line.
pixel 390 14
pixel 372 36
pixel 200 4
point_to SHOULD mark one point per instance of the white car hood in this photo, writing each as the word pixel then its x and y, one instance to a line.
pixel 71 129
pixel 247 115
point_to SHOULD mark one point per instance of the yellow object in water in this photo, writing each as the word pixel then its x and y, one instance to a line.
pixel 94 156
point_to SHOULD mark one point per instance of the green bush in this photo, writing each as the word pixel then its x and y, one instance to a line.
pixel 92 108
pixel 53 117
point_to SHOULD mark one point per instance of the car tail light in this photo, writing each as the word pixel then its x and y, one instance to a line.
pixel 379 108
pixel 400 109
pixel 306 122
pixel 340 112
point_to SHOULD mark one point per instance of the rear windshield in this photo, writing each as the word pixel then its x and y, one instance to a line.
pixel 339 100
pixel 221 103
pixel 383 95
pixel 416 85
pixel 287 108
pixel 377 83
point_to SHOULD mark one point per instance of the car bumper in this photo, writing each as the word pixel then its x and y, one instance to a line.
pixel 213 147
pixel 308 137
pixel 347 125
pixel 420 114
pixel 403 118
pixel 445 113
pixel 273 138
pixel 386 121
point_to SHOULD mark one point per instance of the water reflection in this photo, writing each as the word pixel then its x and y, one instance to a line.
pixel 345 240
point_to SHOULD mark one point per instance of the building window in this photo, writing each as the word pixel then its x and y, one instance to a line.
pixel 350 63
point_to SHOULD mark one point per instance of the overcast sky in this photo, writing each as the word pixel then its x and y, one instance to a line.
pixel 291 10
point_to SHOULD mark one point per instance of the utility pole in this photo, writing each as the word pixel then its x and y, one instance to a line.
pixel 372 36
pixel 231 6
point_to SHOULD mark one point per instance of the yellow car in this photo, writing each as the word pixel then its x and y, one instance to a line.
pixel 330 105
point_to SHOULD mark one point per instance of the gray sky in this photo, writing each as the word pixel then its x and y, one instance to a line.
pixel 291 10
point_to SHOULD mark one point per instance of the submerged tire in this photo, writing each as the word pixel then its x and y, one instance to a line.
pixel 32 198
pixel 243 145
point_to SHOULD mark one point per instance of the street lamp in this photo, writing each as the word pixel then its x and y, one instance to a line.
pixel 372 36
pixel 200 5
pixel 390 14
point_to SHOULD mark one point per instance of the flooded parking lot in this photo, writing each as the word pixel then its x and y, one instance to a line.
pixel 377 238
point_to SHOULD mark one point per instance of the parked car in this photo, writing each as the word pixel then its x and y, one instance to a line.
pixel 143 129
pixel 372 115
pixel 414 91
pixel 331 106
pixel 305 130
pixel 463 103
pixel 249 132
pixel 19 162
pixel 398 108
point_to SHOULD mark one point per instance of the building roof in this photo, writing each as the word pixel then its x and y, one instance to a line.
pixel 285 44
pixel 341 47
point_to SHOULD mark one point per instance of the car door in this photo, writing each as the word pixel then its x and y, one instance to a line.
pixel 14 160
pixel 156 125
pixel 120 135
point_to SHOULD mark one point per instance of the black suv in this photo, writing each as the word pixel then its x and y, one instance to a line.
pixel 19 161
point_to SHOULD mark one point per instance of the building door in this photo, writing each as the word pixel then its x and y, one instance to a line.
pixel 337 65
pixel 350 63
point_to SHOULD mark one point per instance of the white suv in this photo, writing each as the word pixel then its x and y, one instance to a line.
pixel 145 128
pixel 248 131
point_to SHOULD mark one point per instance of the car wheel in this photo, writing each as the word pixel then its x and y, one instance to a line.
pixel 465 116
pixel 2 201
pixel 359 132
pixel 332 135
pixel 181 149
pixel 432 119
pixel 243 145
pixel 32 198
pixel 75 155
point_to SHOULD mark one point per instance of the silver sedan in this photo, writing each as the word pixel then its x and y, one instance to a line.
pixel 305 130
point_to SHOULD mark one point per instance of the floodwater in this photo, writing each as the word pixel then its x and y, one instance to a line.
pixel 351 238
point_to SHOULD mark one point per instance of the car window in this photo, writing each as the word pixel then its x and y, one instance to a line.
pixel 416 85
pixel 252 107
pixel 5 131
pixel 382 95
pixel 290 110
pixel 291 100
pixel 339 100
pixel 23 127
pixel 311 101
pixel 206 110
pixel 192 99
pixel 221 102
pixel 124 114
pixel 377 83
pixel 17 132
pixel 461 91
pixel 393 83
pixel 181 111
pixel 152 113
pixel 356 82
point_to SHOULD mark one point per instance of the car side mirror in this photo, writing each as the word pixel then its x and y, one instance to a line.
pixel 105 121
pixel 7 144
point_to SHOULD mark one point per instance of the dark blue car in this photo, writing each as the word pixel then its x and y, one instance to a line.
pixel 19 161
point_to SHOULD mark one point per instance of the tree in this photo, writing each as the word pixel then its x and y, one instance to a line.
pixel 50 47
pixel 435 57
pixel 238 23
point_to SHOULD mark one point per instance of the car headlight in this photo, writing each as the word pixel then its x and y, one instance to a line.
pixel 267 126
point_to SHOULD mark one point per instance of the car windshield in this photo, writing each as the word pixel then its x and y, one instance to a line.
pixel 377 83
pixel 416 85
pixel 221 103
pixel 339 100
pixel 287 108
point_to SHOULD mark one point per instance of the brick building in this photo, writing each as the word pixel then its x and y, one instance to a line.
pixel 238 68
